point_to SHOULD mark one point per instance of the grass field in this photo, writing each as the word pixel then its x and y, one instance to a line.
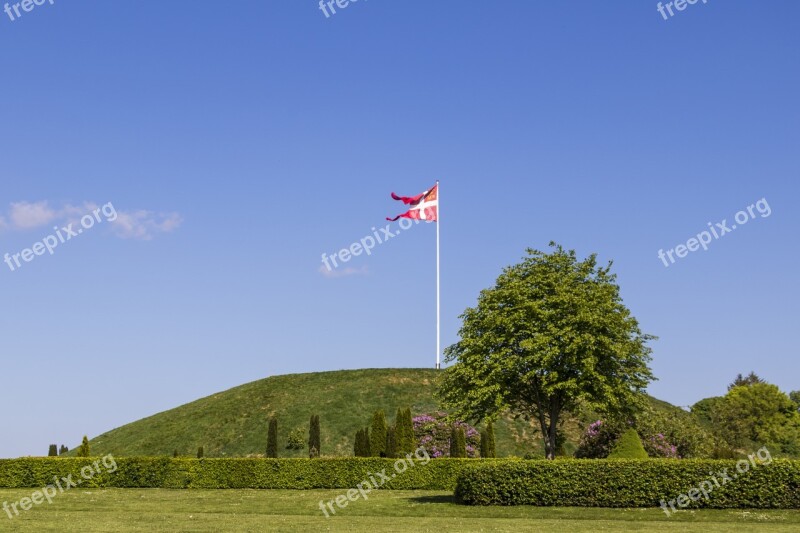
pixel 156 510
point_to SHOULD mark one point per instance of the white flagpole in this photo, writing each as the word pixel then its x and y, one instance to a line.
pixel 438 299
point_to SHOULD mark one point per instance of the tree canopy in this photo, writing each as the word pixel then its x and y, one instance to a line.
pixel 759 413
pixel 552 332
pixel 745 381
pixel 795 397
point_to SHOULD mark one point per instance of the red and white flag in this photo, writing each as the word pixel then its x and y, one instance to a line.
pixel 424 206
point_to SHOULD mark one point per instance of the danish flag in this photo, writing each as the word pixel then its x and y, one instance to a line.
pixel 424 206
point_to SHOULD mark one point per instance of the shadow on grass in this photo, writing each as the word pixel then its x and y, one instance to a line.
pixel 444 498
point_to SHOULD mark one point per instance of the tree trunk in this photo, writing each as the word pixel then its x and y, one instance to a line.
pixel 548 431
pixel 550 447
pixel 551 431
pixel 549 440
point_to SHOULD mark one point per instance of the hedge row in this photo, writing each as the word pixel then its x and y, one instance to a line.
pixel 229 473
pixel 632 483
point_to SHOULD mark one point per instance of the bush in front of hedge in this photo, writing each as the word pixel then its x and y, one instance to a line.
pixel 631 483
pixel 234 473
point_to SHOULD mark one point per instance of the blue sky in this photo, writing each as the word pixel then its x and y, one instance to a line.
pixel 237 142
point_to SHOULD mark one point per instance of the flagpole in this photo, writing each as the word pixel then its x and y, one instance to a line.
pixel 438 295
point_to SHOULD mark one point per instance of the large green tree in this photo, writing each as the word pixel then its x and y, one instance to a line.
pixel 552 332
pixel 760 413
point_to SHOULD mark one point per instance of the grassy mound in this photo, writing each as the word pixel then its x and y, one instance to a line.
pixel 234 423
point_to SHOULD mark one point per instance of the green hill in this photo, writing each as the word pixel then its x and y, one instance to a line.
pixel 233 423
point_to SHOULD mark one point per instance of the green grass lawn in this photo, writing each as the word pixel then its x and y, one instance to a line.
pixel 154 510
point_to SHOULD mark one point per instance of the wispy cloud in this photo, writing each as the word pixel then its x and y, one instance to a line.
pixel 343 272
pixel 138 224
pixel 26 215
pixel 144 225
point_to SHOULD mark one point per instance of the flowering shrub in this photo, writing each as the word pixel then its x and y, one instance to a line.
pixel 658 446
pixel 594 429
pixel 598 440
pixel 600 437
pixel 679 429
pixel 432 432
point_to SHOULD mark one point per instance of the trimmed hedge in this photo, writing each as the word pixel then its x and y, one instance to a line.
pixel 629 446
pixel 230 473
pixel 630 483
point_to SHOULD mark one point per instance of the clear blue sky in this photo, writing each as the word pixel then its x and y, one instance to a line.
pixel 238 141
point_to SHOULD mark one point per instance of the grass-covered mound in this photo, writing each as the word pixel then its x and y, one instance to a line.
pixel 234 423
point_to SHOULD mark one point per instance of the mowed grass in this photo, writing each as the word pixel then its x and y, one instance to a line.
pixel 156 510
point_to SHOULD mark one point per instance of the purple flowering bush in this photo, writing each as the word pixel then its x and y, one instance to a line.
pixel 598 440
pixel 600 437
pixel 594 429
pixel 658 446
pixel 432 432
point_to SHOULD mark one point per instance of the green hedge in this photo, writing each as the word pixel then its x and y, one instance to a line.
pixel 630 483
pixel 180 473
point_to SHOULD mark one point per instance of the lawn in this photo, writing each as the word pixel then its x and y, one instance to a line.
pixel 155 510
